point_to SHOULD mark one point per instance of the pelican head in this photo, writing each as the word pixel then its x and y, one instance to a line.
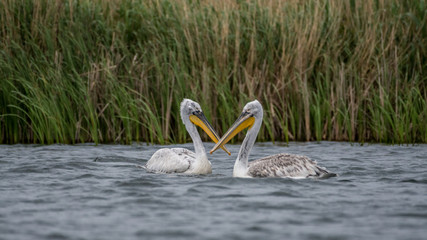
pixel 251 115
pixel 191 110
pixel 254 109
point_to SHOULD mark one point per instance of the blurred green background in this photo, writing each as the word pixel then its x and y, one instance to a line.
pixel 116 71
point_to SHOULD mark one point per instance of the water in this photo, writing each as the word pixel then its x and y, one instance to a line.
pixel 100 192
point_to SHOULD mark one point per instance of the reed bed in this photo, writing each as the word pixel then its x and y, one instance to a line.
pixel 116 71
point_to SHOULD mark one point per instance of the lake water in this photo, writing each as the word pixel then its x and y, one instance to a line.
pixel 100 192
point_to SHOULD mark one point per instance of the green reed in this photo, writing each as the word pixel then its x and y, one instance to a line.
pixel 116 71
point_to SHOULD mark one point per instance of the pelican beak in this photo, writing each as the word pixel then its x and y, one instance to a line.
pixel 199 119
pixel 245 120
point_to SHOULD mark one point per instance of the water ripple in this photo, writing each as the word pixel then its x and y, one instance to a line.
pixel 99 192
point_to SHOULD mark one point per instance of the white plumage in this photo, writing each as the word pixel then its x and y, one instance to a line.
pixel 181 160
pixel 178 160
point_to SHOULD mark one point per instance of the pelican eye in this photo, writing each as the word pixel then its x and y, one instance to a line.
pixel 196 112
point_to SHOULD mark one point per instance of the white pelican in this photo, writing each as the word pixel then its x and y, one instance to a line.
pixel 181 160
pixel 279 165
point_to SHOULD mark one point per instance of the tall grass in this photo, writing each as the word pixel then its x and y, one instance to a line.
pixel 116 71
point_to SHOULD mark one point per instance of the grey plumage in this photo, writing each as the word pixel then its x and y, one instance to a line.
pixel 287 165
pixel 280 165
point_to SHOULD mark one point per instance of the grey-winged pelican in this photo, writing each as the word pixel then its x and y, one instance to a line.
pixel 279 165
pixel 181 160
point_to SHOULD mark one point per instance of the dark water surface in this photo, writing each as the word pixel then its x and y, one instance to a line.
pixel 99 192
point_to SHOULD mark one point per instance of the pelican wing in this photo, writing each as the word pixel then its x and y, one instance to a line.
pixel 286 165
pixel 171 160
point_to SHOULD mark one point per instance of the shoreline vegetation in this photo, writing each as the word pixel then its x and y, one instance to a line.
pixel 116 71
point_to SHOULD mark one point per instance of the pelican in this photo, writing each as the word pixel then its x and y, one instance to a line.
pixel 280 165
pixel 181 160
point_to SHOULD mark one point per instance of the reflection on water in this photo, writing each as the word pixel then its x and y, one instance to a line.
pixel 100 192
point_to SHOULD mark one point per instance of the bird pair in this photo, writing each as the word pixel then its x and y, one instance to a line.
pixel 181 160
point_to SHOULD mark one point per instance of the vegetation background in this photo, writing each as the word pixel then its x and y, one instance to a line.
pixel 116 71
